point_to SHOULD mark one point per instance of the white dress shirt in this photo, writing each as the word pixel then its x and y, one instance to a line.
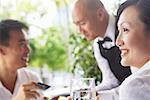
pixel 23 76
pixel 137 85
pixel 109 81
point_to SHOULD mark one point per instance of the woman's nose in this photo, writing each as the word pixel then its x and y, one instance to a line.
pixel 119 41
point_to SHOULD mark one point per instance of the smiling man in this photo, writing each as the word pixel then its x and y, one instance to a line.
pixel 15 80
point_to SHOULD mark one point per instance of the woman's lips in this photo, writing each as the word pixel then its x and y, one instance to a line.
pixel 124 52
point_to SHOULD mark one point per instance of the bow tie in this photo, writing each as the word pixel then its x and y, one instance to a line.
pixel 104 51
pixel 106 39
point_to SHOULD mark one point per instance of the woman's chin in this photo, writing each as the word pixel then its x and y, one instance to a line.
pixel 124 63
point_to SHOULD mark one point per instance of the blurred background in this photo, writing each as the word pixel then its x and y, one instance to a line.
pixel 59 53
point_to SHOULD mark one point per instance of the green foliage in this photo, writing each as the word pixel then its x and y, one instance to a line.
pixel 84 58
pixel 61 3
pixel 18 9
pixel 49 49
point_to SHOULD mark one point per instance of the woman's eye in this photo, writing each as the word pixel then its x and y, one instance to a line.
pixel 125 30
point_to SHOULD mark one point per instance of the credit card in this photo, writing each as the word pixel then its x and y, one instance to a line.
pixel 43 86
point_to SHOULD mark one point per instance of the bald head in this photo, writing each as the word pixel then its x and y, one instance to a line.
pixel 90 17
pixel 91 5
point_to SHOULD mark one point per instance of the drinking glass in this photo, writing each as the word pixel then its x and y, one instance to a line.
pixel 83 89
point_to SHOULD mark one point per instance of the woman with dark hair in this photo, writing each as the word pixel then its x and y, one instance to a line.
pixel 134 42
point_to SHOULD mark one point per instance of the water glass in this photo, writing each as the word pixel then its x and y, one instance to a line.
pixel 83 89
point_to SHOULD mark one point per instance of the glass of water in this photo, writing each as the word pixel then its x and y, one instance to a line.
pixel 83 89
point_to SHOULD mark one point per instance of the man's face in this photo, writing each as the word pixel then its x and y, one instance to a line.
pixel 87 22
pixel 17 53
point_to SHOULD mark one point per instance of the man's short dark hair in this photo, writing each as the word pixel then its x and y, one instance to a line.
pixel 8 25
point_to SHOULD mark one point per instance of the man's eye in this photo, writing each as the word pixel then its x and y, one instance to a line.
pixel 82 23
pixel 24 44
pixel 21 45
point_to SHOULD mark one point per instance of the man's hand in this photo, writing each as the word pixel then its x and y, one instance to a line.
pixel 70 98
pixel 28 91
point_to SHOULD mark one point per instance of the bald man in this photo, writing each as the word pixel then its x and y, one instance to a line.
pixel 94 22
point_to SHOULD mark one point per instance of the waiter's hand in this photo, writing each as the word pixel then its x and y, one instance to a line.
pixel 28 91
pixel 97 97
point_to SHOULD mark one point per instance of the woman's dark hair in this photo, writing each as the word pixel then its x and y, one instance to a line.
pixel 144 11
pixel 8 25
pixel 144 7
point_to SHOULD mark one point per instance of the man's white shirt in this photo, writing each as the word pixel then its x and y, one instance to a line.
pixel 109 81
pixel 23 76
